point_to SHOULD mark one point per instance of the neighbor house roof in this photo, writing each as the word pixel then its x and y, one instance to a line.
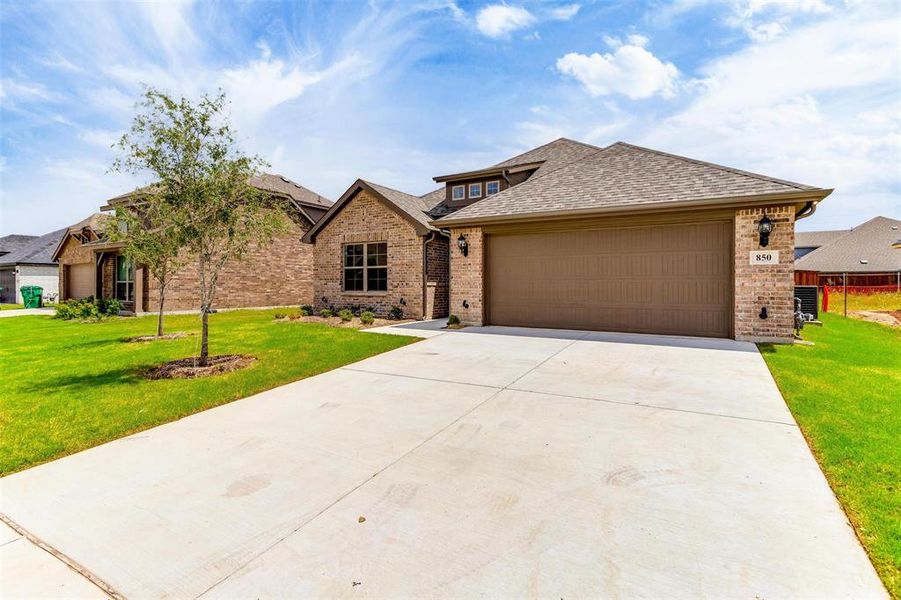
pixel 8 243
pixel 815 239
pixel 413 208
pixel 300 196
pixel 623 177
pixel 868 248
pixel 36 251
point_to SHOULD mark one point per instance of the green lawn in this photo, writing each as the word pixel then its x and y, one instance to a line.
pixel 845 392
pixel 879 301
pixel 11 306
pixel 67 386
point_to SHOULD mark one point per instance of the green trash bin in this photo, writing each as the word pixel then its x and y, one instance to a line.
pixel 31 295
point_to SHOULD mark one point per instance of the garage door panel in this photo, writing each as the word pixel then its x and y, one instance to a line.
pixel 80 281
pixel 664 279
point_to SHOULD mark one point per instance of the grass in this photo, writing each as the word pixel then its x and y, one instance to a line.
pixel 844 393
pixel 68 386
pixel 878 301
pixel 11 306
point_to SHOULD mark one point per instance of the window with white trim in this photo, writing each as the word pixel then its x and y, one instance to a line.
pixel 458 192
pixel 492 187
pixel 475 190
pixel 365 267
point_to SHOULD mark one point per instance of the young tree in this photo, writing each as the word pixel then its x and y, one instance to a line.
pixel 204 181
pixel 147 227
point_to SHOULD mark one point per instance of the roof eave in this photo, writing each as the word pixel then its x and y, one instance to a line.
pixel 815 195
pixel 488 172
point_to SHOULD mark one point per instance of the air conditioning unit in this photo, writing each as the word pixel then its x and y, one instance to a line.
pixel 808 296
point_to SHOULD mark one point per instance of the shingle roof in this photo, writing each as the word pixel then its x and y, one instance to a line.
pixel 281 184
pixel 553 154
pixel 414 206
pixel 266 181
pixel 8 243
pixel 624 176
pixel 872 241
pixel 37 251
pixel 815 239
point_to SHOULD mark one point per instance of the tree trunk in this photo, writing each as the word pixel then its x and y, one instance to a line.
pixel 159 320
pixel 204 329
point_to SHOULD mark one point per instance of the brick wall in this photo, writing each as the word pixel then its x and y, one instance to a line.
pixel 770 286
pixel 73 252
pixel 367 219
pixel 438 265
pixel 279 274
pixel 466 276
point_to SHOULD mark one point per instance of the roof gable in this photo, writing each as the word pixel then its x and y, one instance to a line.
pixel 412 208
pixel 871 242
pixel 623 176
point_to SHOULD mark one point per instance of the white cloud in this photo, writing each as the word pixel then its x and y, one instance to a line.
pixel 765 31
pixel 102 138
pixel 12 90
pixel 828 114
pixel 630 70
pixel 565 12
pixel 500 20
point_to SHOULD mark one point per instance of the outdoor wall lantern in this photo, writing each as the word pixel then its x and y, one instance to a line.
pixel 462 245
pixel 764 228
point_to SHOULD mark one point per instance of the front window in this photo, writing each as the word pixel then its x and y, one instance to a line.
pixel 475 190
pixel 366 267
pixel 458 192
pixel 492 187
pixel 125 279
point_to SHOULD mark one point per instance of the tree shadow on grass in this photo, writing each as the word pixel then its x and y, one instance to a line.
pixel 75 384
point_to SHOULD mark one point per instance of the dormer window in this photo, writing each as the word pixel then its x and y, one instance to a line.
pixel 492 187
pixel 458 192
pixel 475 190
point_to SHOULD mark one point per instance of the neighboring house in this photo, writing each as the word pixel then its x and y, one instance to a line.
pixel 569 235
pixel 808 241
pixel 868 255
pixel 28 260
pixel 624 238
pixel 278 274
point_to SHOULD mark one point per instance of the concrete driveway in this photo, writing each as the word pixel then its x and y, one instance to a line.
pixel 484 462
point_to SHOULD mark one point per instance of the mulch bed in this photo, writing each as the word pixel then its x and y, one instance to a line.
pixel 153 338
pixel 354 323
pixel 187 368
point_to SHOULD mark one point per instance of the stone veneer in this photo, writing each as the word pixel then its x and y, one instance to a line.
pixel 365 218
pixel 770 286
pixel 756 286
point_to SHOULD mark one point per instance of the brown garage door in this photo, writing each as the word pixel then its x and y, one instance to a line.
pixel 80 280
pixel 672 279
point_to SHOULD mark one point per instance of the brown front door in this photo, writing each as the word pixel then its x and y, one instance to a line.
pixel 80 280
pixel 668 279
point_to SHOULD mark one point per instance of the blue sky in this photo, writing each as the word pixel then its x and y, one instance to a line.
pixel 807 90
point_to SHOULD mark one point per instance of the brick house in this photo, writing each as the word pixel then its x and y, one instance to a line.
pixel 623 238
pixel 375 248
pixel 278 274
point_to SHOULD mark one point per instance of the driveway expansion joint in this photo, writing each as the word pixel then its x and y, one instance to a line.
pixel 73 565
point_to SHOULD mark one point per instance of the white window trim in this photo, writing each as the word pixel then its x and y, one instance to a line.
pixel 487 183
pixel 453 197
pixel 364 267
pixel 469 190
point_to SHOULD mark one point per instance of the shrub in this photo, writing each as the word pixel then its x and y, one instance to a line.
pixel 87 309
pixel 367 317
pixel 325 313
pixel 396 313
pixel 453 320
pixel 279 315
pixel 346 315
pixel 306 310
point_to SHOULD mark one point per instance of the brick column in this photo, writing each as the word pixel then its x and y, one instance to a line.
pixel 759 286
pixel 466 276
